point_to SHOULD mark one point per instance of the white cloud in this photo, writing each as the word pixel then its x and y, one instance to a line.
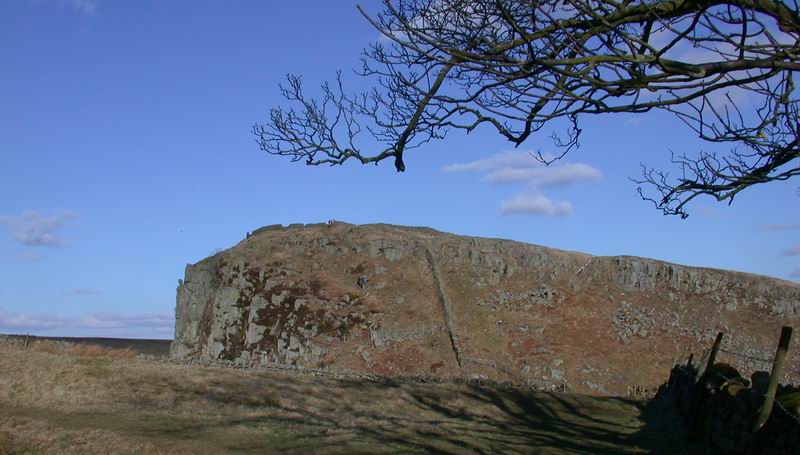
pixel 523 168
pixel 91 323
pixel 87 7
pixel 116 321
pixel 545 177
pixel 17 321
pixel 535 204
pixel 84 6
pixel 32 228
pixel 498 161
pixel 791 251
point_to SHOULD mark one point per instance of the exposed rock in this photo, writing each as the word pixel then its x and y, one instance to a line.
pixel 381 338
pixel 599 388
pixel 536 330
pixel 394 301
pixel 541 296
pixel 631 321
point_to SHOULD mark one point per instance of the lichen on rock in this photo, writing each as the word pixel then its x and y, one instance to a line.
pixel 393 300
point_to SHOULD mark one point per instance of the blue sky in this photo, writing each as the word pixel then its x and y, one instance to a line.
pixel 126 153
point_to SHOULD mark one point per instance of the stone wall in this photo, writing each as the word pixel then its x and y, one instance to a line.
pixel 721 408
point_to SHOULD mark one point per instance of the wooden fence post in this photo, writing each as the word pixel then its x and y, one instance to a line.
pixel 712 357
pixel 774 378
pixel 701 366
pixel 697 393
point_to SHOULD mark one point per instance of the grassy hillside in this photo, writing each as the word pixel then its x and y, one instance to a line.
pixel 56 399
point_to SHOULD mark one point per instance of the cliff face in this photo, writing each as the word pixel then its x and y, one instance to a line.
pixel 402 301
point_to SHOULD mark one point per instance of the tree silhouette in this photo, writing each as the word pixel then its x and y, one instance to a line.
pixel 518 65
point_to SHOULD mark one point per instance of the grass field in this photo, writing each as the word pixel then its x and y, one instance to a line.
pixel 104 400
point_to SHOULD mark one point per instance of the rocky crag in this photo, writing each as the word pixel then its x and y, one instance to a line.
pixel 399 301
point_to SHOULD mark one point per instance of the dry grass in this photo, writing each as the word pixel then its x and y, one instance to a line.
pixel 59 401
pixel 78 349
pixel 32 436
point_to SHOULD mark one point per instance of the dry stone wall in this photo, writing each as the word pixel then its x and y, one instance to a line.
pixel 721 407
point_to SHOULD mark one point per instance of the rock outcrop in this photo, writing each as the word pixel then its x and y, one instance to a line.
pixel 400 301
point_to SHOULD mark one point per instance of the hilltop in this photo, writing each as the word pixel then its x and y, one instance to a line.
pixel 414 302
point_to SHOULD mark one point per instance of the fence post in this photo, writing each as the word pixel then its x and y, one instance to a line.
pixel 712 357
pixel 701 366
pixel 774 377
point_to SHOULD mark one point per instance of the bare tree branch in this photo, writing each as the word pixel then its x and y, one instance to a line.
pixel 725 68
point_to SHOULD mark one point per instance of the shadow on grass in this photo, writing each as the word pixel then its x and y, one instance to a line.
pixel 663 430
pixel 392 417
pixel 219 411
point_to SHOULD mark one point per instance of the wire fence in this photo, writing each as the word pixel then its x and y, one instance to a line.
pixel 746 357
